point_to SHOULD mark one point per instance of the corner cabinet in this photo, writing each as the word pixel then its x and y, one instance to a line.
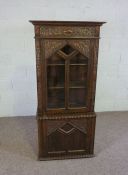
pixel 66 63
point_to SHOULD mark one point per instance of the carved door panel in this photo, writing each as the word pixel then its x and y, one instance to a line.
pixel 67 137
pixel 67 70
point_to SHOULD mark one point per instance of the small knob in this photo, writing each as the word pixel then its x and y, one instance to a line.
pixel 68 31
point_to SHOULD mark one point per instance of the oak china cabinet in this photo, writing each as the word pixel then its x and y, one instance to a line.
pixel 66 63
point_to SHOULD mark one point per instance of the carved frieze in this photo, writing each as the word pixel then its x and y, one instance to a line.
pixel 67 31
pixel 37 30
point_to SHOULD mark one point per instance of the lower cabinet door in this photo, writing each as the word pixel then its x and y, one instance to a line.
pixel 58 138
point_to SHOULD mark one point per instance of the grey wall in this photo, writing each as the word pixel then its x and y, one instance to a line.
pixel 17 54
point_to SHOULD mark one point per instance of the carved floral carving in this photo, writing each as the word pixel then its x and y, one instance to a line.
pixel 52 46
pixel 38 70
pixel 83 46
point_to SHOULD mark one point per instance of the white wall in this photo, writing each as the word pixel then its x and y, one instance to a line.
pixel 17 54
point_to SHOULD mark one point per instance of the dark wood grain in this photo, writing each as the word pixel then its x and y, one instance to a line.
pixel 66 62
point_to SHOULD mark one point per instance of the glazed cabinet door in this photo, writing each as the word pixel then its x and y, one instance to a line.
pixel 78 74
pixel 55 82
pixel 68 74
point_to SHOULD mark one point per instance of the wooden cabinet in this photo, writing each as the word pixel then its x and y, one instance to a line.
pixel 66 62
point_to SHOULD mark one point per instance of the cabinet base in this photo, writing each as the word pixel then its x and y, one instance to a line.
pixel 66 157
pixel 66 138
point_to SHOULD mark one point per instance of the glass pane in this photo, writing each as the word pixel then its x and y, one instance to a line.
pixel 77 97
pixel 78 81
pixel 67 49
pixel 55 59
pixel 56 98
pixel 55 82
pixel 79 59
pixel 78 75
pixel 55 75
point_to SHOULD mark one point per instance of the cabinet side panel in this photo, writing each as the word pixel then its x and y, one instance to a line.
pixel 42 130
pixel 91 133
pixel 39 76
pixel 95 63
pixel 94 48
